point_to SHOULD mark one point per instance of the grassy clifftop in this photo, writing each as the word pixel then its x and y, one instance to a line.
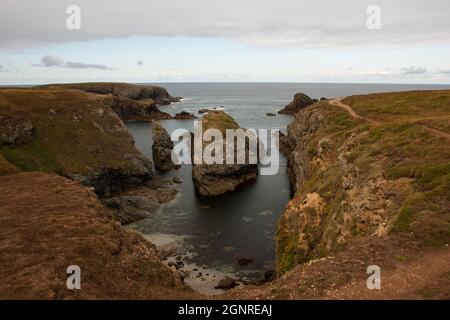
pixel 70 133
pixel 356 178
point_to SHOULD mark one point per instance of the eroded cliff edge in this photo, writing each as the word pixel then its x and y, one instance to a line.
pixel 372 187
pixel 357 178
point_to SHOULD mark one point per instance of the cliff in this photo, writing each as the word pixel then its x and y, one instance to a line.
pixel 50 223
pixel 71 133
pixel 368 166
pixel 131 102
pixel 371 176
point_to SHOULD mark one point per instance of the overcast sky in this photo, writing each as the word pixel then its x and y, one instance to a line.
pixel 215 40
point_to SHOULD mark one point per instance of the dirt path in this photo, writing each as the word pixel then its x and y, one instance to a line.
pixel 438 133
pixel 338 103
pixel 416 280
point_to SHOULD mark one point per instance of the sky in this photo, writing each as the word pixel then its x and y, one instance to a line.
pixel 371 41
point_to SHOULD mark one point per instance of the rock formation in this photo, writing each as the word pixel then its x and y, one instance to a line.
pixel 183 115
pixel 162 148
pixel 71 133
pixel 216 179
pixel 130 102
pixel 65 224
pixel 300 101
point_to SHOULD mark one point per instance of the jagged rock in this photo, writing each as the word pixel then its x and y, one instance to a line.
pixel 226 284
pixel 139 203
pixel 270 114
pixel 15 130
pixel 242 261
pixel 183 115
pixel 283 144
pixel 203 111
pixel 300 101
pixel 162 148
pixel 216 179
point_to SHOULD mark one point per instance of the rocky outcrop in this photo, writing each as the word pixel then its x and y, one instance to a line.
pixel 217 179
pixel 121 90
pixel 130 102
pixel 15 129
pixel 64 225
pixel 130 110
pixel 183 115
pixel 74 134
pixel 300 101
pixel 162 148
pixel 139 203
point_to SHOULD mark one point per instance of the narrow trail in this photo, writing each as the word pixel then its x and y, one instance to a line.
pixel 338 103
pixel 406 282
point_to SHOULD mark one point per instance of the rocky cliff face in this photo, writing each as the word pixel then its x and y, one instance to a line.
pixel 130 102
pixel 71 133
pixel 162 148
pixel 50 223
pixel 354 179
pixel 300 101
pixel 216 179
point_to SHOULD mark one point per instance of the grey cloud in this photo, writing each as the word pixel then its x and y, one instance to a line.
pixel 140 63
pixel 1 68
pixel 55 61
pixel 79 65
pixel 51 61
pixel 413 70
pixel 266 23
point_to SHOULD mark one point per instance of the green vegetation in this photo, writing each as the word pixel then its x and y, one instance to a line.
pixel 73 132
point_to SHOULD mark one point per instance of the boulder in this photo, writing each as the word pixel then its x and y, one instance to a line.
pixel 226 284
pixel 300 101
pixel 217 179
pixel 243 261
pixel 183 115
pixel 270 114
pixel 203 111
pixel 162 148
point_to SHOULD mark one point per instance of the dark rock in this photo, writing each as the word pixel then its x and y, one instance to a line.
pixel 300 101
pixel 284 144
pixel 323 99
pixel 269 275
pixel 270 114
pixel 226 283
pixel 183 115
pixel 203 111
pixel 162 148
pixel 177 180
pixel 244 261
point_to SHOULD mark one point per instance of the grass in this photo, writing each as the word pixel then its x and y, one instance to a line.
pixel 69 136
pixel 414 162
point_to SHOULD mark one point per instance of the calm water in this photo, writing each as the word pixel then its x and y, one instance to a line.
pixel 240 224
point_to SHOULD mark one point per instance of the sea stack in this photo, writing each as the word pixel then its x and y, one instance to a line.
pixel 217 179
pixel 300 101
pixel 162 148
